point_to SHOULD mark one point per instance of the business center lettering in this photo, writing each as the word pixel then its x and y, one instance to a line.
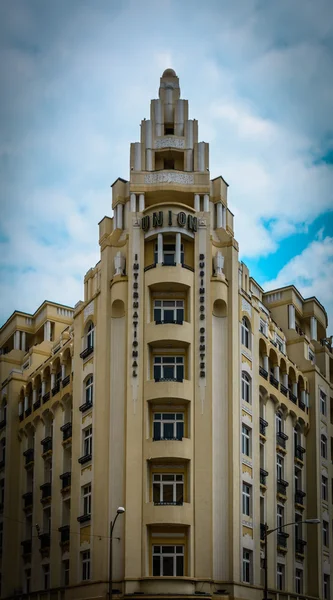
pixel 157 220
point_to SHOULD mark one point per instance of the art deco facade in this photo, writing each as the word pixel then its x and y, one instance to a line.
pixel 178 389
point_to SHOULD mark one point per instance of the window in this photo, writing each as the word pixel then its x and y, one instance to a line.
pixel 323 403
pixel 246 499
pixel 168 426
pixel 279 343
pixel 325 534
pixel 311 356
pixel 87 441
pixel 90 335
pixel 2 492
pixel 246 440
pixel 246 387
pixel 298 479
pixel 299 526
pixel 169 368
pixel 169 311
pixel 168 560
pixel 46 576
pixel 89 390
pixel 279 467
pixel 86 497
pixel 65 572
pixel 280 576
pixel 3 449
pixel 245 332
pixel 299 581
pixel 324 488
pixel 262 327
pixel 168 488
pixel 169 254
pixel 247 565
pixel 169 163
pixel 85 561
pixel 326 587
pixel 169 129
pixel 279 422
pixel 27 577
pixel 279 516
pixel 323 445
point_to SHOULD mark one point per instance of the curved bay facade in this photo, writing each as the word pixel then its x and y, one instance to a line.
pixel 177 389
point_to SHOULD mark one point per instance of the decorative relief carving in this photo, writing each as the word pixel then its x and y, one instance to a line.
pixel 89 310
pixel 170 142
pixel 169 177
pixel 246 306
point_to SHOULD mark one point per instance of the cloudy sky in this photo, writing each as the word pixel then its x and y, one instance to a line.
pixel 76 78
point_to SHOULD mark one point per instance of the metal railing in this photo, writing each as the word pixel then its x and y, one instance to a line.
pixel 87 351
pixel 263 372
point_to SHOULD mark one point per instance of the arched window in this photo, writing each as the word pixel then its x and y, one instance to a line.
pixel 89 390
pixel 246 332
pixel 246 387
pixel 90 335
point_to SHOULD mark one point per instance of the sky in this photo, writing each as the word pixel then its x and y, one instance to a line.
pixel 76 79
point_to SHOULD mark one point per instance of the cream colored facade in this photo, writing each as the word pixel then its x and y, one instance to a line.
pixel 178 389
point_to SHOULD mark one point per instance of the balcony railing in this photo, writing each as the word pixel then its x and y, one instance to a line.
pixel 299 497
pixel 301 404
pixel 26 546
pixel 292 397
pixel 27 500
pixel 281 486
pixel 300 546
pixel 262 426
pixel 263 475
pixel 263 372
pixel 274 381
pixel 46 491
pixel 152 266
pixel 29 456
pixel 84 407
pixel 56 388
pixel 45 540
pixel 283 389
pixel 299 330
pixel 170 321
pixel 87 351
pixel 27 412
pixel 299 451
pixel 46 397
pixel 84 459
pixel 66 381
pixel 177 503
pixel 167 439
pixel 47 444
pixel 84 518
pixel 281 439
pixel 66 479
pixel 179 379
pixel 36 405
pixel 169 264
pixel 66 431
pixel 64 534
pixel 282 537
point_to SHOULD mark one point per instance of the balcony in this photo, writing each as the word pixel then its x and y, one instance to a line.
pixel 168 514
pixel 66 480
pixel 281 439
pixel 283 389
pixel 84 459
pixel 46 397
pixel 64 535
pixel 282 538
pixel 168 449
pixel 181 391
pixel 301 405
pixel 263 372
pixel 177 333
pixel 66 381
pixel 66 431
pixel 87 351
pixel 299 451
pixel 86 406
pixel 27 500
pixel 281 487
pixel 299 497
pixel 26 546
pixel 29 457
pixel 56 389
pixel 300 546
pixel 3 423
pixel 47 444
pixel 292 397
pixel 262 426
pixel 84 518
pixel 178 503
pixel 274 381
pixel 179 379
pixel 263 475
pixel 46 492
pixel 45 540
pixel 156 274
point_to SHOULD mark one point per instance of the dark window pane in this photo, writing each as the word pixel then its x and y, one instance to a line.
pixel 157 314
pixel 180 431
pixel 157 431
pixel 156 492
pixel 169 416
pixel 168 565
pixel 179 566
pixel 168 316
pixel 168 372
pixel 168 493
pixel 157 372
pixel 180 315
pixel 179 492
pixel 180 372
pixel 168 431
pixel 156 566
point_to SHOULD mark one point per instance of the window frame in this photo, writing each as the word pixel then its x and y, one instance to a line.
pixel 86 498
pixel 279 517
pixel 326 586
pixel 163 361
pixel 169 250
pixel 46 576
pixel 323 403
pixel 324 488
pixel 89 389
pixel 163 422
pixel 246 387
pixel 279 466
pixel 174 554
pixel 160 482
pixel 246 333
pixel 246 440
pixel 323 446
pixel 326 536
pixel 87 441
pixel 246 499
pixel 85 565
pixel 247 566
pixel 65 572
pixel 178 310
pixel 90 335
pixel 299 581
pixel 280 585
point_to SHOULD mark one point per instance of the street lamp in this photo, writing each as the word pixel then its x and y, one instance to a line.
pixel 268 532
pixel 120 511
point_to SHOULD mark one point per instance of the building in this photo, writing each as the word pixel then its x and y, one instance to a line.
pixel 178 389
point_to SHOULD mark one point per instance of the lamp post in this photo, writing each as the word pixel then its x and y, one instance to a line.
pixel 120 511
pixel 268 532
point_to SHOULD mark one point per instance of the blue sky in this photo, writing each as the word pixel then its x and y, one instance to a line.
pixel 76 79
